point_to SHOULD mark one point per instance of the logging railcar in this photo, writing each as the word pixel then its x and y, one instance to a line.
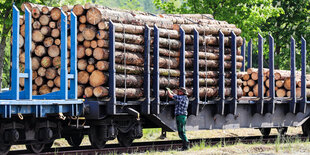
pixel 38 120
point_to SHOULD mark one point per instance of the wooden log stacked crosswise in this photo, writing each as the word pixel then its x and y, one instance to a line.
pixel 282 83
pixel 93 50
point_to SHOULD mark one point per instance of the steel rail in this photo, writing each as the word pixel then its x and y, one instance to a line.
pixel 141 147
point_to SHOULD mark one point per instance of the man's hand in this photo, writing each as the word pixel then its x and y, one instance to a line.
pixel 170 93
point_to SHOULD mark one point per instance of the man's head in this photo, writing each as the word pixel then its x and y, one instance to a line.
pixel 182 91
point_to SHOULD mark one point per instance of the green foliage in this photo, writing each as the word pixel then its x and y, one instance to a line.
pixel 246 15
pixel 281 18
pixel 140 5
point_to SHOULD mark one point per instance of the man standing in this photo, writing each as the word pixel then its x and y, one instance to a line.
pixel 181 113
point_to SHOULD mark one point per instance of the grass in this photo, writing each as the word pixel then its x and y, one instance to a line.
pixel 154 134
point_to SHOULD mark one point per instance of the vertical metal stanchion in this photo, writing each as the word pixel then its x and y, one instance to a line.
pixel 195 103
pixel 27 94
pixel 156 102
pixel 111 107
pixel 271 106
pixel 260 103
pixel 292 104
pixel 221 102
pixel 303 102
pixel 243 55
pixel 147 78
pixel 249 59
pixel 233 104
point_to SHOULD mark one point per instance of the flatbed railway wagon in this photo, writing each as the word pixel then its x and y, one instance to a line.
pixel 38 120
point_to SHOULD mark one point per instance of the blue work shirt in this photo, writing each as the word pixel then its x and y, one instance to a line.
pixel 181 104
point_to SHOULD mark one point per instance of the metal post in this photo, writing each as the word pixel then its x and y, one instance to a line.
pixel 221 103
pixel 28 65
pixel 182 58
pixel 156 101
pixel 15 56
pixel 64 56
pixel 147 79
pixel 243 55
pixel 260 104
pixel 292 105
pixel 73 57
pixel 249 60
pixel 195 103
pixel 271 106
pixel 112 82
pixel 303 102
pixel 233 104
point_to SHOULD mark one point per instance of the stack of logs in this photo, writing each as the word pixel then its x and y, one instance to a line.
pixel 93 45
pixel 282 83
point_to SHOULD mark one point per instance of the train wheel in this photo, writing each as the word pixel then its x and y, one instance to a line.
pixel 282 131
pixel 124 139
pixel 75 140
pixel 35 148
pixel 306 128
pixel 95 138
pixel 4 149
pixel 265 131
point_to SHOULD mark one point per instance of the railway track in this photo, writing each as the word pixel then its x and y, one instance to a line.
pixel 162 145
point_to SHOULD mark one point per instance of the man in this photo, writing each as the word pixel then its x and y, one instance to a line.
pixel 181 113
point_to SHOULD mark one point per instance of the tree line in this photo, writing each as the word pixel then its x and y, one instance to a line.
pixel 281 18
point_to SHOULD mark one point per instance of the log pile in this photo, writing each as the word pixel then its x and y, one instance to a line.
pixel 93 50
pixel 282 83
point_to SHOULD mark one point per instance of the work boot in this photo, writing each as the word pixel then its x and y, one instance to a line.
pixel 185 146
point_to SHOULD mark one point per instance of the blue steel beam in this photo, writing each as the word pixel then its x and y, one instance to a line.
pixel 221 102
pixel 156 102
pixel 260 102
pixel 111 107
pixel 271 106
pixel 195 103
pixel 15 56
pixel 233 104
pixel 73 57
pixel 303 102
pixel 27 93
pixel 292 104
pixel 182 57
pixel 243 55
pixel 64 56
pixel 145 107
pixel 249 59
